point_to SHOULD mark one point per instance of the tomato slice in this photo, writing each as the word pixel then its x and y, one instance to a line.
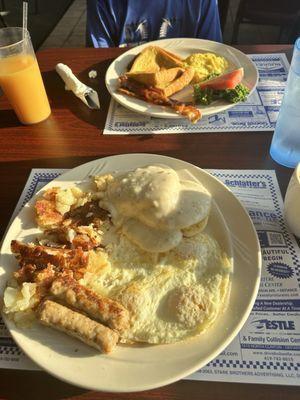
pixel 227 81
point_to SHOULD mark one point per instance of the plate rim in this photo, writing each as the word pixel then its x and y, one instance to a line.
pixel 220 348
pixel 127 103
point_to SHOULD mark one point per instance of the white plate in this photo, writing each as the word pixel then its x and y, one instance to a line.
pixel 135 368
pixel 182 47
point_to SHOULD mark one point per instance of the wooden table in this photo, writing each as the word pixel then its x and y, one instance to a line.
pixel 72 136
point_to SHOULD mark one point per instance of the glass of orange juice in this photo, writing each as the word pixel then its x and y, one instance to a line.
pixel 20 76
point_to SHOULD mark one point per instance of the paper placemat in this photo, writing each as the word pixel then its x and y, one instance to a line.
pixel 267 349
pixel 258 113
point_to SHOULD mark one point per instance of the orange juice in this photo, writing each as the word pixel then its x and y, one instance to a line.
pixel 22 83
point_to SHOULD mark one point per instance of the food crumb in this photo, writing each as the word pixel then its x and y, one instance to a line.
pixel 92 74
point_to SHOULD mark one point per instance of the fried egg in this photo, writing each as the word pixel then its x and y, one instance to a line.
pixel 171 296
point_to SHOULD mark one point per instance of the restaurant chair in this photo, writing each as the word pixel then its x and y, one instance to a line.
pixel 223 6
pixel 284 14
pixel 3 13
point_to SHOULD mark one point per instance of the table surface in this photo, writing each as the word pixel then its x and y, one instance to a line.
pixel 72 136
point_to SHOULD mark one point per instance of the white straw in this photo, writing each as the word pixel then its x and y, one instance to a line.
pixel 25 13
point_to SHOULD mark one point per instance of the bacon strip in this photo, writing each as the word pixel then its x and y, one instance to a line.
pixel 156 96
pixel 33 258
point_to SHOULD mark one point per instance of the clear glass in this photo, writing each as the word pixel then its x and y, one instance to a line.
pixel 285 147
pixel 20 76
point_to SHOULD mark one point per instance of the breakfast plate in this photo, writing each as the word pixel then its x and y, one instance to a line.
pixel 183 47
pixel 141 367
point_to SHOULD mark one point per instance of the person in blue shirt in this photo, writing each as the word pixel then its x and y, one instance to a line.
pixel 113 23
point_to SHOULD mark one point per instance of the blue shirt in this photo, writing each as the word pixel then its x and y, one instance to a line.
pixel 112 23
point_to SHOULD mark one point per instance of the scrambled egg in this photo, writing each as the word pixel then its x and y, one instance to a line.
pixel 170 296
pixel 205 64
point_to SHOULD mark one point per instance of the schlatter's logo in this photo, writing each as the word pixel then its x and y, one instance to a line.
pixel 273 325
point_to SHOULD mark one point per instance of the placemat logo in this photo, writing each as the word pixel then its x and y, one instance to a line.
pixel 268 324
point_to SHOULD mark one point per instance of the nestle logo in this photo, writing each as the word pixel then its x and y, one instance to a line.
pixel 274 325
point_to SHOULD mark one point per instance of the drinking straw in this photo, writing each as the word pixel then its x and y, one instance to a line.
pixel 25 14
